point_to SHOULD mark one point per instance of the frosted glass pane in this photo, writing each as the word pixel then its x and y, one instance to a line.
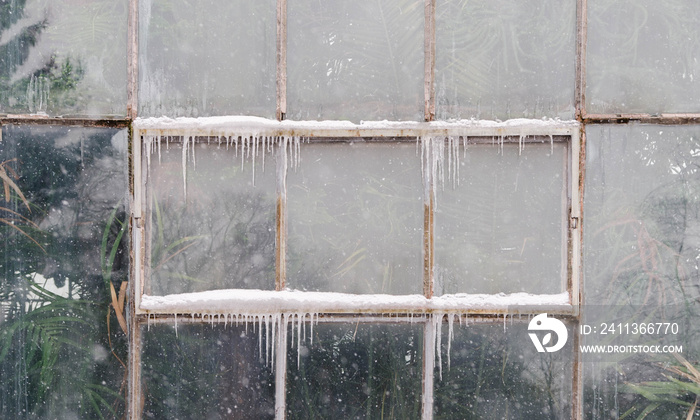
pixel 642 56
pixel 642 212
pixel 220 233
pixel 492 372
pixel 207 57
pixel 58 349
pixel 353 371
pixel 505 59
pixel 641 253
pixel 360 60
pixel 206 372
pixel 62 57
pixel 356 219
pixel 501 229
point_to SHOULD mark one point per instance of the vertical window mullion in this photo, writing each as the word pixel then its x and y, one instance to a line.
pixel 581 34
pixel 428 367
pixel 281 369
pixel 281 234
pixel 429 57
pixel 135 395
pixel 132 61
pixel 281 59
pixel 428 216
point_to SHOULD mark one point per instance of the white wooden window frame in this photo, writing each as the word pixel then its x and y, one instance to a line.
pixel 217 305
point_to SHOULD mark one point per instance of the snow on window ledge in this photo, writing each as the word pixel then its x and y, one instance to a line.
pixel 265 127
pixel 245 301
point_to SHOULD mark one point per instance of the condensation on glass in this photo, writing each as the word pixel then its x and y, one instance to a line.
pixel 505 59
pixel 63 57
pixel 356 371
pixel 63 226
pixel 642 246
pixel 355 61
pixel 492 372
pixel 202 371
pixel 207 58
pixel 501 224
pixel 356 219
pixel 642 56
pixel 212 216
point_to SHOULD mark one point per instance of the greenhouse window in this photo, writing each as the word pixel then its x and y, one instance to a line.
pixel 319 247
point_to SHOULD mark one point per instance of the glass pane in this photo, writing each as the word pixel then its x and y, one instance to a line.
pixel 63 230
pixel 360 60
pixel 642 56
pixel 206 372
pixel 495 372
pixel 207 57
pixel 502 228
pixel 219 233
pixel 505 59
pixel 355 219
pixel 642 214
pixel 356 371
pixel 63 57
pixel 641 247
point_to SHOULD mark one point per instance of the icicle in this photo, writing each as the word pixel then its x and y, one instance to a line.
pixel 255 151
pixel 438 162
pixel 175 324
pixel 449 158
pixel 259 319
pixel 194 158
pixel 304 326
pixel 551 144
pixel 159 141
pixel 450 336
pixel 520 145
pixel 185 143
pixel 455 153
pixel 299 320
pixel 422 159
pixel 298 339
pixel 505 317
pixel 267 339
pixel 274 335
pixel 264 150
pixel 242 151
pixel 437 319
pixel 311 324
pixel 148 322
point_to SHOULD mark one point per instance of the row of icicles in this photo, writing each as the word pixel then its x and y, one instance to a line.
pixel 248 147
pixel 272 324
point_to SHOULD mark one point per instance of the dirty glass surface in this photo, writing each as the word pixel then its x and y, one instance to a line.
pixel 63 57
pixel 356 371
pixel 216 230
pixel 642 56
pixel 642 247
pixel 63 224
pixel 494 372
pixel 501 227
pixel 505 59
pixel 206 372
pixel 360 60
pixel 207 57
pixel 356 219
